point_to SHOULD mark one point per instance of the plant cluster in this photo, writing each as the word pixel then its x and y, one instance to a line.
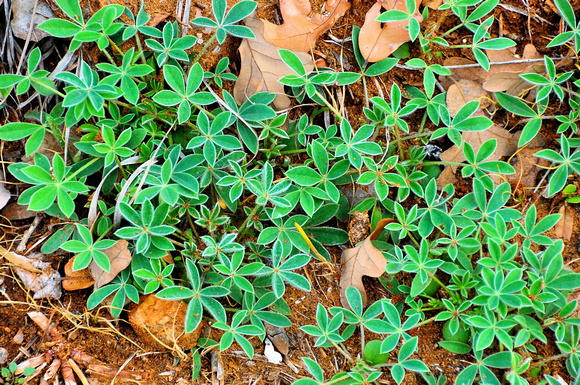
pixel 9 376
pixel 177 168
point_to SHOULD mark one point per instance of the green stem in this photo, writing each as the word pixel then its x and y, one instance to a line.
pixel 452 30
pixel 291 152
pixel 413 239
pixel 204 48
pixel 425 322
pixel 244 225
pixel 549 359
pixel 80 169
pixel 330 106
pixel 439 163
pixel 399 144
pixel 140 48
pixel 434 278
pixel 342 351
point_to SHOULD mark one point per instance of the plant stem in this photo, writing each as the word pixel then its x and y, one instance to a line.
pixel 425 322
pixel 549 359
pixel 330 106
pixel 440 163
pixel 342 351
pixel 203 49
pixel 244 225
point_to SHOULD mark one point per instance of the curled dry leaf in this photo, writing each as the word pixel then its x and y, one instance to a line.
pixel 262 67
pixel 377 43
pixel 76 280
pixel 364 259
pixel 119 256
pixel 301 26
pixel 565 225
pixel 16 212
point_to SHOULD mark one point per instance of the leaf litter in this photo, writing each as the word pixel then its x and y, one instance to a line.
pixel 565 225
pixel 364 259
pixel 261 67
pixel 377 42
pixel 302 27
pixel 501 77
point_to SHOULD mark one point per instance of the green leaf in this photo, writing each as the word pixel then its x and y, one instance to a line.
pixel 292 61
pixel 60 28
pixel 304 176
pixel 18 130
pixel 515 105
pixel 455 347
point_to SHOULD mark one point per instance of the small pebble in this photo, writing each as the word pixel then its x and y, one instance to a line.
pixel 3 355
pixel 19 337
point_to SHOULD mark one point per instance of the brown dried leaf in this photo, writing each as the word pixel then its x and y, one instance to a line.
pixel 15 212
pixel 364 259
pixel 262 67
pixel 565 225
pixel 377 43
pixel 527 166
pixel 433 4
pixel 119 256
pixel 76 280
pixel 506 145
pixel 301 26
pixel 464 91
pixel 501 77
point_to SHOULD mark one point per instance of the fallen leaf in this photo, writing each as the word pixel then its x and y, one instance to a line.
pixel 464 91
pixel 45 284
pixel 565 225
pixel 4 193
pixel 157 18
pixel 527 166
pixel 433 4
pixel 16 212
pixel 301 26
pixel 76 280
pixel 376 42
pixel 23 17
pixel 364 259
pixel 501 77
pixel 17 260
pixel 261 67
pixel 119 256
pixel 506 146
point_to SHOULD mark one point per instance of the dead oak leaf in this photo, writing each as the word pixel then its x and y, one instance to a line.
pixel 377 43
pixel 364 259
pixel 261 67
pixel 302 27
pixel 119 256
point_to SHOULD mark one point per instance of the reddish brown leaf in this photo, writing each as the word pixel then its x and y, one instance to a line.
pixel 301 26
pixel 76 280
pixel 119 256
pixel 377 43
pixel 565 225
pixel 364 259
pixel 262 67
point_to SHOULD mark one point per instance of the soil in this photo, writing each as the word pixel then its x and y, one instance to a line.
pixel 116 344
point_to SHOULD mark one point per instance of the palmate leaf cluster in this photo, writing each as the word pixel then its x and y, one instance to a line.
pixel 242 197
